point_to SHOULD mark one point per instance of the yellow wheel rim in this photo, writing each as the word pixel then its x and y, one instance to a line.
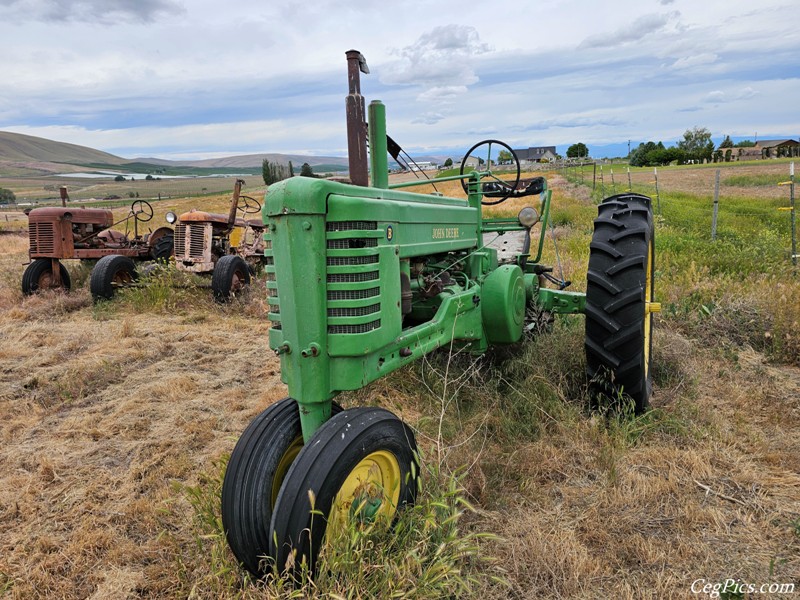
pixel 283 466
pixel 650 307
pixel 371 491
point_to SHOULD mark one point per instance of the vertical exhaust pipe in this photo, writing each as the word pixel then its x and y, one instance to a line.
pixel 237 188
pixel 356 119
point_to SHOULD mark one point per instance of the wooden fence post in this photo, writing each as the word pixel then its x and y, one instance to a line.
pixel 716 209
pixel 602 183
pixel 792 213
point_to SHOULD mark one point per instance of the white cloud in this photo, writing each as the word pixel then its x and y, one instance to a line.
pixel 695 60
pixel 442 57
pixel 716 96
pixel 259 76
pixel 106 12
pixel 638 29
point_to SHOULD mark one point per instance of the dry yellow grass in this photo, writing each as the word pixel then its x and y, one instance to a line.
pixel 105 412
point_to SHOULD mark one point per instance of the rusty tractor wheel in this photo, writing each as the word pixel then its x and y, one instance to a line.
pixel 361 466
pixel 230 276
pixel 110 273
pixel 163 248
pixel 257 467
pixel 39 276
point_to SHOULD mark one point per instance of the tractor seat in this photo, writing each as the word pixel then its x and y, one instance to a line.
pixel 525 187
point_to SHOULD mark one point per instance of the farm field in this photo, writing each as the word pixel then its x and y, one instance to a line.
pixel 45 190
pixel 116 421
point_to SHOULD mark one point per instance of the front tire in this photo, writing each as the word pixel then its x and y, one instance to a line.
pixel 257 467
pixel 39 276
pixel 230 276
pixel 111 272
pixel 619 301
pixel 362 464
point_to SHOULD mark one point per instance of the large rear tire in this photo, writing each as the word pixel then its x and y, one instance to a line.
pixel 619 302
pixel 361 465
pixel 230 276
pixel 257 467
pixel 111 272
pixel 163 248
pixel 39 276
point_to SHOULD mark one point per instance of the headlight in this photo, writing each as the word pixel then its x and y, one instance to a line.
pixel 171 217
pixel 528 217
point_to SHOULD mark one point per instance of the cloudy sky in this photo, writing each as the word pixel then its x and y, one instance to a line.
pixel 203 78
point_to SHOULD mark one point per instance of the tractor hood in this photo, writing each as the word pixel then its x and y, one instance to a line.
pixel 96 216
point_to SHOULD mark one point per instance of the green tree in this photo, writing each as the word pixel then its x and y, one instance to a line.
pixel 697 144
pixel 306 171
pixel 291 169
pixel 505 156
pixel 448 162
pixel 273 172
pixel 119 178
pixel 744 144
pixel 7 196
pixel 578 150
pixel 727 142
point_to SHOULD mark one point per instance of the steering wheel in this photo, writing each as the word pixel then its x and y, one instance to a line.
pixel 497 189
pixel 248 205
pixel 141 207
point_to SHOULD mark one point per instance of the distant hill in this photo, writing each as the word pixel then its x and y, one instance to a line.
pixel 255 160
pixel 27 148
pixel 20 149
pixel 26 154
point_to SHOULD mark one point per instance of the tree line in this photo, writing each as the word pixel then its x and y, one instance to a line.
pixel 696 146
pixel 273 172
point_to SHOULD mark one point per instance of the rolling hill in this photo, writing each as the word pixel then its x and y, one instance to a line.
pixel 25 155
pixel 40 154
pixel 27 148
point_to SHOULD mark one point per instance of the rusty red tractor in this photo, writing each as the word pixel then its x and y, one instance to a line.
pixel 66 233
pixel 228 247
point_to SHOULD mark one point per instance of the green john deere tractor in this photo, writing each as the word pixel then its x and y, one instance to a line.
pixel 364 279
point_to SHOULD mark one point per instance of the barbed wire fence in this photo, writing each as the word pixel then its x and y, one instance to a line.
pixel 575 171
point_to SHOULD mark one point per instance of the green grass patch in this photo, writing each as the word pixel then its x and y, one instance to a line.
pixel 427 554
pixel 759 180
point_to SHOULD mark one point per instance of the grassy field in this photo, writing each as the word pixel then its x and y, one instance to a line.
pixel 116 422
pixel 45 190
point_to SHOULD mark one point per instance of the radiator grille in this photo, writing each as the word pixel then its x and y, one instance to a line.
pixel 179 239
pixel 349 269
pixel 353 294
pixel 351 226
pixel 41 238
pixel 190 239
pixel 272 290
pixel 363 328
pixel 352 243
pixel 352 277
pixel 345 261
pixel 358 311
pixel 197 240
